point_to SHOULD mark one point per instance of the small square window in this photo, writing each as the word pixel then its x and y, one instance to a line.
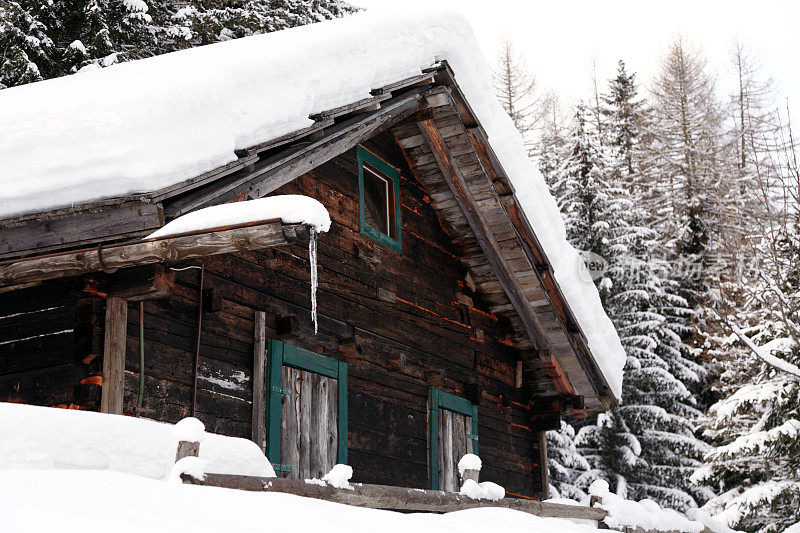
pixel 379 190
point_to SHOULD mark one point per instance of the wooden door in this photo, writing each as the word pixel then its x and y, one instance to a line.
pixel 455 440
pixel 309 435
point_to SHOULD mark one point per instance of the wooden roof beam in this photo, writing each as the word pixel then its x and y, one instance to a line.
pixel 455 181
pixel 544 273
pixel 177 248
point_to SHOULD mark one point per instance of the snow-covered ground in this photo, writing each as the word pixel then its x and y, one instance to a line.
pixel 114 131
pixel 66 470
pixel 62 439
pixel 71 470
pixel 34 501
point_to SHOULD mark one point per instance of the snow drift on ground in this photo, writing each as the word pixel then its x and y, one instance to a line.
pixel 46 438
pixel 91 501
pixel 290 208
pixel 144 125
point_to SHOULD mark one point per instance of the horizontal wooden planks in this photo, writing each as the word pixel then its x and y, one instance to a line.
pixel 78 227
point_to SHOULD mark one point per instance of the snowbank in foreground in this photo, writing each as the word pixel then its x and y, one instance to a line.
pixel 114 132
pixel 89 501
pixel 290 208
pixel 47 438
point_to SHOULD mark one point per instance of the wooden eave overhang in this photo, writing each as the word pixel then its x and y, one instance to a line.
pixel 448 151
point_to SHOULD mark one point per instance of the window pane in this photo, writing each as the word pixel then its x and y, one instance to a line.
pixel 376 200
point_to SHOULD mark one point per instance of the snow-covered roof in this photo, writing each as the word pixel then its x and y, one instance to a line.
pixel 145 125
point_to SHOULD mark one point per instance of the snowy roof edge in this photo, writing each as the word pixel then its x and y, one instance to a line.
pixel 526 226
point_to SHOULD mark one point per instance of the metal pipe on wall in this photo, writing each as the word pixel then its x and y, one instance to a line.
pixel 197 346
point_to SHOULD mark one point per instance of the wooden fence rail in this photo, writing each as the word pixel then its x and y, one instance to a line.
pixel 394 498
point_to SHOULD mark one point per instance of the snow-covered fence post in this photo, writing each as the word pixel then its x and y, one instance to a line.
pixel 189 433
pixel 597 501
pixel 187 449
pixel 469 467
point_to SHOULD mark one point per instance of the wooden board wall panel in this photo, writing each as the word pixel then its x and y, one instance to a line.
pixel 47 386
pixel 290 422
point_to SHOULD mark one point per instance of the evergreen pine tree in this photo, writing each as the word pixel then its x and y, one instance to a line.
pixel 688 152
pixel 26 51
pixel 569 471
pixel 645 447
pixel 756 466
pixel 206 21
pixel 515 88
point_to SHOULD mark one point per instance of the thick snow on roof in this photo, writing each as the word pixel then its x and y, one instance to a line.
pixel 46 438
pixel 144 125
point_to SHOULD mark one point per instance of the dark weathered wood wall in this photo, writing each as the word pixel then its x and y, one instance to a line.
pixel 50 346
pixel 402 322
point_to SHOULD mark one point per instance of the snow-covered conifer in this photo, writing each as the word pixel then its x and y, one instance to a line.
pixel 569 470
pixel 645 447
pixel 26 51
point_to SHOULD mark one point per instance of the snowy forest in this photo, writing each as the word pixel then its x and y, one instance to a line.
pixel 685 201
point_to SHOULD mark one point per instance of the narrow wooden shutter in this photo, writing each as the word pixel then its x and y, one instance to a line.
pixel 309 433
pixel 454 442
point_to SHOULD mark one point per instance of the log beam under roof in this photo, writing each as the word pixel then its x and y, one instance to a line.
pixel 169 249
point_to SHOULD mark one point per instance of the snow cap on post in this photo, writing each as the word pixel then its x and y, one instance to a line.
pixel 339 476
pixel 189 429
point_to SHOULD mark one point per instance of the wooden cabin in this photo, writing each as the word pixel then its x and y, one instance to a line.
pixel 441 327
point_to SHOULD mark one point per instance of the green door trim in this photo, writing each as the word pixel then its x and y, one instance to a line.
pixel 439 399
pixel 281 354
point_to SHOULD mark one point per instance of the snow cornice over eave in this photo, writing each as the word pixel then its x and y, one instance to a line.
pixel 114 133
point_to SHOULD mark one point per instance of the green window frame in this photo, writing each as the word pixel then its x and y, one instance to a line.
pixel 365 156
pixel 281 354
pixel 439 399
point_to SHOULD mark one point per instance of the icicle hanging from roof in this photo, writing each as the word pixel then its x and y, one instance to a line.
pixel 312 258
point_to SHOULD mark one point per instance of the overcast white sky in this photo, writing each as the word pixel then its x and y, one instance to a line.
pixel 559 38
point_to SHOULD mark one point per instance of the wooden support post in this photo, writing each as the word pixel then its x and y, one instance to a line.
pixel 259 428
pixel 470 473
pixel 596 502
pixel 545 474
pixel 187 449
pixel 114 355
